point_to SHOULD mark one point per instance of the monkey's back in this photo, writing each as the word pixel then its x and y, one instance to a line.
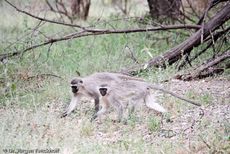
pixel 92 82
pixel 130 89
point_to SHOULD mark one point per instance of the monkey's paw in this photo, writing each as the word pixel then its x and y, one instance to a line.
pixel 64 114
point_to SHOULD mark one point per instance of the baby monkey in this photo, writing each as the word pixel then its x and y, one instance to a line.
pixel 126 93
pixel 103 91
pixel 108 100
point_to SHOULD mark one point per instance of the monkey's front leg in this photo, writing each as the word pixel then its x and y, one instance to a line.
pixel 119 109
pixel 103 110
pixel 96 103
pixel 71 106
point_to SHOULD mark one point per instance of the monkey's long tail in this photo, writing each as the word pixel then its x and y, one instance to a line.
pixel 175 95
pixel 151 103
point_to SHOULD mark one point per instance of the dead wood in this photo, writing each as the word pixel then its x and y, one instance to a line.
pixel 207 69
pixel 185 47
pixel 211 4
pixel 84 31
pixel 215 37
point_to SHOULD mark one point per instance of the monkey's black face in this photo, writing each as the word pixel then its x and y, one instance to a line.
pixel 74 89
pixel 103 91
pixel 76 84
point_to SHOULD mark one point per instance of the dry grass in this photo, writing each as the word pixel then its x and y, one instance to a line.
pixel 185 129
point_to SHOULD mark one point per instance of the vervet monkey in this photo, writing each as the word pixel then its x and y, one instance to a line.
pixel 126 93
pixel 87 86
pixel 132 92
pixel 108 100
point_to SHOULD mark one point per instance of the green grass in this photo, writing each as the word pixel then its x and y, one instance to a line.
pixel 153 124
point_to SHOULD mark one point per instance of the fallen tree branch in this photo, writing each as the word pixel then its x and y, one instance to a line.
pixel 210 43
pixel 178 51
pixel 44 75
pixel 211 4
pixel 206 69
pixel 85 33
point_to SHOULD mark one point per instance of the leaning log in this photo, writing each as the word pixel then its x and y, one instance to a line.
pixel 174 54
pixel 206 69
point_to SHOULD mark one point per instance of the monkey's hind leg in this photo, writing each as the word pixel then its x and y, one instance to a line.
pixel 96 103
pixel 119 109
pixel 150 101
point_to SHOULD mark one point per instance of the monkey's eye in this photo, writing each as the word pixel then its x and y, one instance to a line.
pixel 81 81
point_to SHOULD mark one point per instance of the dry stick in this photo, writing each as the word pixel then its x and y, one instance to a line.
pixel 216 36
pixel 55 11
pixel 175 53
pixel 87 32
pixel 193 10
pixel 24 36
pixel 96 32
pixel 217 60
pixel 164 27
pixel 204 67
pixel 43 19
pixel 84 34
pixel 211 4
pixel 43 75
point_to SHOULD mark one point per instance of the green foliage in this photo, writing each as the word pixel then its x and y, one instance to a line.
pixel 87 129
pixel 153 124
pixel 206 99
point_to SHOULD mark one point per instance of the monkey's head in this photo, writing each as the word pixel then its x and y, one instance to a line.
pixel 103 91
pixel 76 84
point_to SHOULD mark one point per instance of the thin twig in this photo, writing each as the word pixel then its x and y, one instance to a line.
pixel 43 19
pixel 45 74
pixel 85 33
pixel 216 36
pixel 99 30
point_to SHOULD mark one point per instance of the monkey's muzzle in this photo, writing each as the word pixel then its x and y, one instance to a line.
pixel 74 89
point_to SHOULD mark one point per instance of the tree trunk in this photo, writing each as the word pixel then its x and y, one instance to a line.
pixel 80 9
pixel 161 9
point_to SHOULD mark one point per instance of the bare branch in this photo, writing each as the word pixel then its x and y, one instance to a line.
pixel 216 36
pixel 85 33
pixel 208 67
pixel 211 4
pixel 178 51
pixel 43 19
pixel 164 27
